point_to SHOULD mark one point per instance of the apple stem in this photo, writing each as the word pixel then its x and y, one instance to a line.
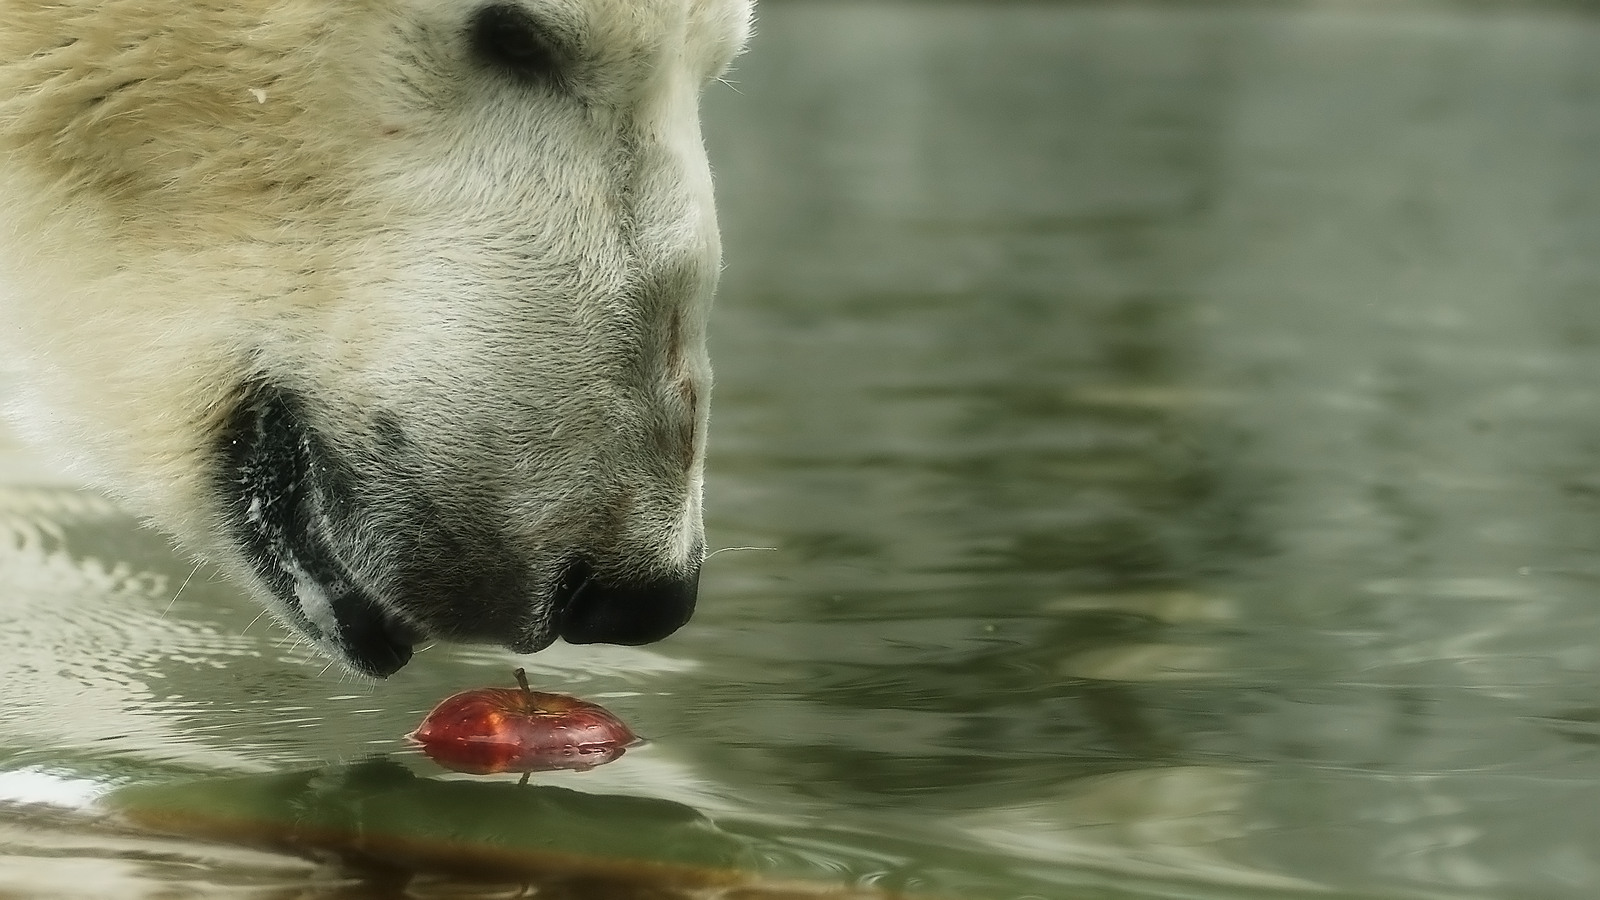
pixel 522 680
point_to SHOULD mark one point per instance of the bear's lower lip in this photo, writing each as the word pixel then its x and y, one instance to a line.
pixel 380 652
pixel 378 645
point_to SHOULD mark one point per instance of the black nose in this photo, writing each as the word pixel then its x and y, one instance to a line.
pixel 637 612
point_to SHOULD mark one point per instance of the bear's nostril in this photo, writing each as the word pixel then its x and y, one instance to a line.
pixel 636 612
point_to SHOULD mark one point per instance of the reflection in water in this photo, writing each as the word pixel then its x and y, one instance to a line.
pixel 379 815
pixel 1177 432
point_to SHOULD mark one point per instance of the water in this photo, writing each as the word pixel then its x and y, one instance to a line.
pixel 1175 429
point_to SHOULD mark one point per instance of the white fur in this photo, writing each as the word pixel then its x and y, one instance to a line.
pixel 334 196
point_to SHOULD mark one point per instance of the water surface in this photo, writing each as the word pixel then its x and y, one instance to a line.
pixel 1175 428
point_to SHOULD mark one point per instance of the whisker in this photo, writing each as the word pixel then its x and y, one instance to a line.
pixel 252 622
pixel 180 590
pixel 726 549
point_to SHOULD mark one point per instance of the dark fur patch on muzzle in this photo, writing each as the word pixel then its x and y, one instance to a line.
pixel 280 489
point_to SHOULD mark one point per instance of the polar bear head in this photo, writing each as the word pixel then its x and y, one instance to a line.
pixel 394 308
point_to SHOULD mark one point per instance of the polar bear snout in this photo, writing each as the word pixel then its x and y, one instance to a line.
pixel 358 554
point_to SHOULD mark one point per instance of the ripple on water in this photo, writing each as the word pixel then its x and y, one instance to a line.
pixel 95 662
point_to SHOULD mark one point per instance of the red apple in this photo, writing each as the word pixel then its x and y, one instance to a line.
pixel 492 730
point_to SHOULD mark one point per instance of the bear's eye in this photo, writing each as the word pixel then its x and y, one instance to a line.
pixel 506 37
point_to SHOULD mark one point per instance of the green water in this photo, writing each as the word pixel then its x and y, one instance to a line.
pixel 1175 431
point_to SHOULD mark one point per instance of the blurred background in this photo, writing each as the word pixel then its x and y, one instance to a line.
pixel 1172 437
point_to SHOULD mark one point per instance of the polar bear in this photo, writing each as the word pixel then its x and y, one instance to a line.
pixel 395 309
